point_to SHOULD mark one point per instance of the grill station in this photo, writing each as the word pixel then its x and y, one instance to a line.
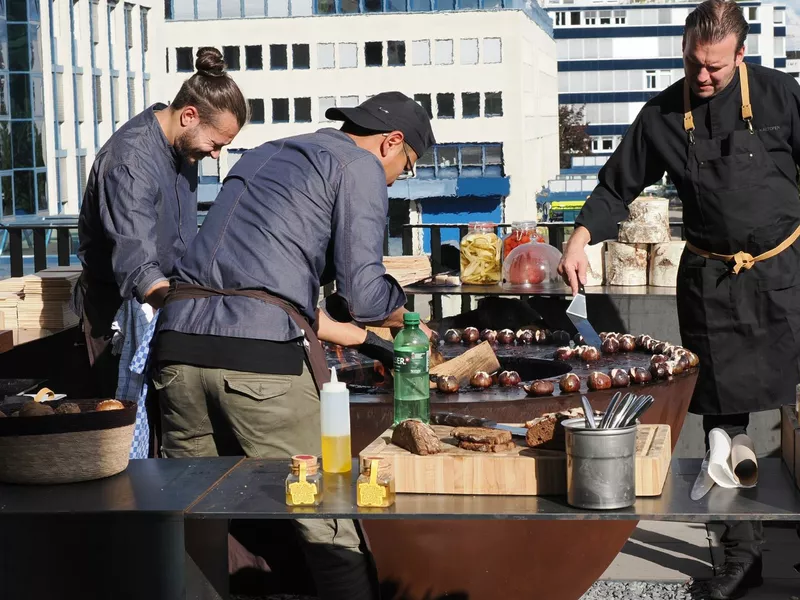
pixel 405 550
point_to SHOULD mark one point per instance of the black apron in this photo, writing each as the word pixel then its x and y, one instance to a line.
pixel 744 327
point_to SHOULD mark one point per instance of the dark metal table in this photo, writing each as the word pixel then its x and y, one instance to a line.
pixel 120 537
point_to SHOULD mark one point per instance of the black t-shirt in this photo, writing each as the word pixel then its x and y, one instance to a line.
pixel 237 354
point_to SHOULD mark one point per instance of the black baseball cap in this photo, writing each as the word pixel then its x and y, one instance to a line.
pixel 390 111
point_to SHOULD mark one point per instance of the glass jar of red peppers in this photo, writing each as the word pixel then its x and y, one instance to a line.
pixel 522 232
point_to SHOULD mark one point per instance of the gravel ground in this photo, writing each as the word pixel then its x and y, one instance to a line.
pixel 602 590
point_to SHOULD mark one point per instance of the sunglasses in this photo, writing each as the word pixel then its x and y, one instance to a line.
pixel 409 171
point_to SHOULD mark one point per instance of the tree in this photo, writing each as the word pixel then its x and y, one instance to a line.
pixel 572 136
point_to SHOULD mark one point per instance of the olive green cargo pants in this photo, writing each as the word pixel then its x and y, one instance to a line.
pixel 219 412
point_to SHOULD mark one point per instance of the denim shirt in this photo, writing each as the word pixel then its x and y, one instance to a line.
pixel 287 210
pixel 139 211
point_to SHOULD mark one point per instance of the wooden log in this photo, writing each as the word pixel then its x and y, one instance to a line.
pixel 648 222
pixel 626 264
pixel 664 261
pixel 463 367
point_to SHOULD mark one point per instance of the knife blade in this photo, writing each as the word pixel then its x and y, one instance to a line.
pixel 576 311
pixel 704 482
pixel 456 420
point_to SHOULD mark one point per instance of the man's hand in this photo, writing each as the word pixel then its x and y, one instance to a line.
pixel 574 261
pixel 155 295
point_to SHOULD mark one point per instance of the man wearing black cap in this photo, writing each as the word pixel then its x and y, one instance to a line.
pixel 236 360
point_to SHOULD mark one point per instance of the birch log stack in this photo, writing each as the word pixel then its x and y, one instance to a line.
pixel 626 264
pixel 648 222
pixel 664 261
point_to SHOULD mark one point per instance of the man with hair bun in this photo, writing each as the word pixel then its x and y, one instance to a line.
pixel 728 136
pixel 139 214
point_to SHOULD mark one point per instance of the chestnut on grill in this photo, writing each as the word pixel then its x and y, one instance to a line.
pixel 489 335
pixel 659 371
pixel 598 381
pixel 603 335
pixel 662 347
pixel 657 359
pixel 447 384
pixel 435 338
pixel 694 360
pixel 619 378
pixel 610 345
pixel 627 343
pixel 674 367
pixel 590 354
pixel 481 379
pixel 651 344
pixel 540 336
pixel 565 353
pixel 452 336
pixel 540 387
pixel 560 337
pixel 506 336
pixel 578 339
pixel 509 379
pixel 524 336
pixel 683 361
pixel 569 383
pixel 640 375
pixel 470 335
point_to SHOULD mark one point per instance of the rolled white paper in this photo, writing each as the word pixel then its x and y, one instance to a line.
pixel 743 461
pixel 719 467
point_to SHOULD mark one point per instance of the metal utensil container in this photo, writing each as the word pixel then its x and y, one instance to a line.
pixel 601 466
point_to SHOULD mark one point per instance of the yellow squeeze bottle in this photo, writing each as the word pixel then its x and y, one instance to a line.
pixel 335 421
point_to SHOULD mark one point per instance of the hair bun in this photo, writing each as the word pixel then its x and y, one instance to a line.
pixel 210 62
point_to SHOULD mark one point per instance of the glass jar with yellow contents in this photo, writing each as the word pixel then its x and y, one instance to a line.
pixel 375 485
pixel 304 482
pixel 480 255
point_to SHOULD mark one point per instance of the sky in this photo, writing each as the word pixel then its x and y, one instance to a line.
pixel 792 23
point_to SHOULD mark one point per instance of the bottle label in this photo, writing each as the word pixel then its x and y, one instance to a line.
pixel 411 363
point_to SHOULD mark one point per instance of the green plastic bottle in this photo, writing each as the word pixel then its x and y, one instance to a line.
pixel 411 380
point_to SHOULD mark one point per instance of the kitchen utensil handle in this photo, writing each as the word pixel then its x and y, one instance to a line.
pixel 588 413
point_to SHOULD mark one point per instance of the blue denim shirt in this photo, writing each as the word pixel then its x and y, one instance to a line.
pixel 139 211
pixel 288 209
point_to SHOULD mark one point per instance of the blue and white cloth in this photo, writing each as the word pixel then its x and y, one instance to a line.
pixel 134 327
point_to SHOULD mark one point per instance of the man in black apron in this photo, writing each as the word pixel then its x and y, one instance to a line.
pixel 728 135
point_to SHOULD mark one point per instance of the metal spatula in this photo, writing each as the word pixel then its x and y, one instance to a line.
pixel 577 314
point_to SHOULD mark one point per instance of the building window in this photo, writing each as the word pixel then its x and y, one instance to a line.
pixel 443 52
pixel 373 54
pixel 231 9
pixel 278 57
pixel 424 100
pixel 168 13
pixel 575 17
pixel 590 17
pixel 348 101
pixel 421 52
pixel 469 51
pixel 619 17
pixel 325 56
pixel 470 105
pixel 561 18
pixel 348 6
pixel 445 106
pixel 256 106
pixel 396 54
pixel 280 110
pixel 253 58
pixel 231 57
pixel 98 99
pixel 325 102
pixel 145 32
pixel 492 51
pixel 326 7
pixel 779 47
pixel 348 55
pixel 493 104
pixel 207 9
pixel 664 16
pixel 650 82
pixel 302 110
pixel 605 17
pixel 608 144
pixel 595 144
pixel 752 13
pixel 301 56
pixel 373 5
pixel 166 59
pixel 493 161
pixel 778 16
pixel 183 60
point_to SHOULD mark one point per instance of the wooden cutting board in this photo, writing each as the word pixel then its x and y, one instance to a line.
pixel 522 471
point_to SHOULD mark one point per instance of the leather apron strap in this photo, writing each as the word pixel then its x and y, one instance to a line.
pixel 747 109
pixel 315 353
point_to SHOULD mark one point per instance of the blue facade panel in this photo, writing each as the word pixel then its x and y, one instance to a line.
pixel 479 187
pixel 444 210
pixel 624 64
pixel 600 97
pixel 607 31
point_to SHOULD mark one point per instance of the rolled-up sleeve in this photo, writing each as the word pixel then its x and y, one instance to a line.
pixel 633 166
pixel 128 214
pixel 359 223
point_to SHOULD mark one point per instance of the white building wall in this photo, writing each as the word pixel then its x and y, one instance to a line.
pixel 526 78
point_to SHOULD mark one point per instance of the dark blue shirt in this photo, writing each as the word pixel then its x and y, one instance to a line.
pixel 287 210
pixel 139 211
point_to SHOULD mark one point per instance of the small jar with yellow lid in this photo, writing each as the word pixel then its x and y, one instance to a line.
pixel 304 482
pixel 375 484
